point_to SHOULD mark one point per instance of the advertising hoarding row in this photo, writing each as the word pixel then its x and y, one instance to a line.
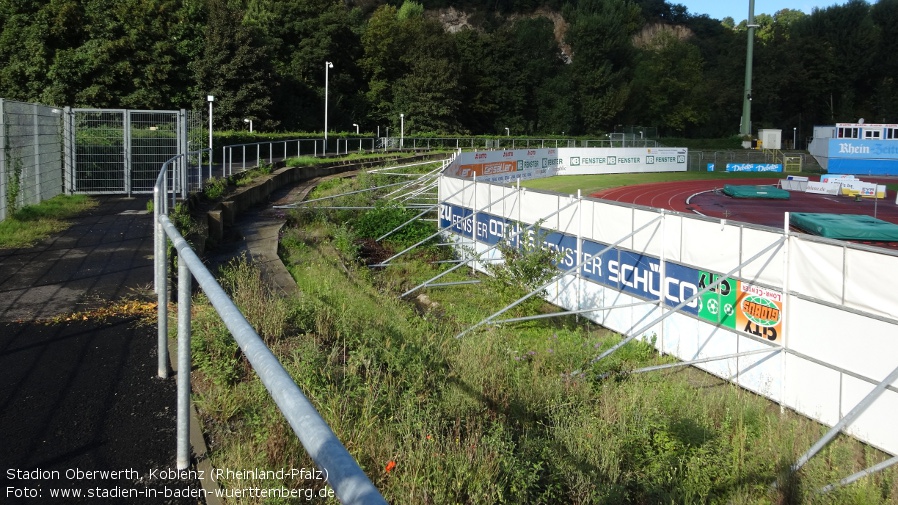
pixel 733 303
pixel 514 164
pixel 754 167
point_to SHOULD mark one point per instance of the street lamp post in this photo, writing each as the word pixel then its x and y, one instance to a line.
pixel 507 132
pixel 250 121
pixel 402 131
pixel 356 128
pixel 327 65
pixel 794 137
pixel 210 99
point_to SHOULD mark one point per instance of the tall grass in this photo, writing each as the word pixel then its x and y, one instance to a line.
pixel 496 416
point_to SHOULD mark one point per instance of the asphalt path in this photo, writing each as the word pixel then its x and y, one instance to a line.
pixel 81 396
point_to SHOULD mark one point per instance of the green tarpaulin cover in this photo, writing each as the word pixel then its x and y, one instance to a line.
pixel 845 226
pixel 769 192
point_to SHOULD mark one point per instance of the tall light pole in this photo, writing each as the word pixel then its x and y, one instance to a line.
pixel 210 99
pixel 250 121
pixel 327 65
pixel 794 137
pixel 356 128
pixel 507 132
pixel 402 131
pixel 745 128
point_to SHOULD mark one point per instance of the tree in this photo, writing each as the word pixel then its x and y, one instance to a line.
pixel 235 69
pixel 884 15
pixel 669 85
pixel 600 35
pixel 32 34
pixel 300 36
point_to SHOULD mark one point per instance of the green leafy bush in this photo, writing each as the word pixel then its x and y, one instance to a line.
pixel 386 217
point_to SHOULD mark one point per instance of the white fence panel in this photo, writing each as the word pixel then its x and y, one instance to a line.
pixel 768 269
pixel 611 222
pixel 569 219
pixel 712 245
pixel 673 237
pixel 449 187
pixel 877 424
pixel 588 216
pixel 813 389
pixel 537 206
pixel 816 269
pixel 679 336
pixel 593 295
pixel 484 195
pixel 871 280
pixel 843 339
pixel 761 373
pixel 648 240
pixel 713 342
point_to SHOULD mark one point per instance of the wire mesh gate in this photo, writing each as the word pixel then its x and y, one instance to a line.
pixel 118 151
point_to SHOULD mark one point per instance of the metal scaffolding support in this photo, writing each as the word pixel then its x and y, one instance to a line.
pixel 704 360
pixel 849 418
pixel 859 475
pixel 439 231
pixel 553 279
pixel 390 170
pixel 297 204
pixel 565 313
pixel 630 335
pixel 473 258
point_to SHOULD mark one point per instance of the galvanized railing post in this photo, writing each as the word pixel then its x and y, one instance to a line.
pixel 160 261
pixel 183 434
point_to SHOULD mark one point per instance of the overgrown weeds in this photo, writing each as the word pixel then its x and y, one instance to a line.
pixel 511 413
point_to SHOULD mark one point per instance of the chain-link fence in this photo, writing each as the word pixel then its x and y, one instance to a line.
pixel 30 155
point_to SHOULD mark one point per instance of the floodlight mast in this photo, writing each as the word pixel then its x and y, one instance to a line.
pixel 745 128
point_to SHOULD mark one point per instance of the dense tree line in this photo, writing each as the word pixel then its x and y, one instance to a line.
pixel 542 67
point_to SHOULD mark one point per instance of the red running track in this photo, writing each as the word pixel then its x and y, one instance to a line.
pixel 703 198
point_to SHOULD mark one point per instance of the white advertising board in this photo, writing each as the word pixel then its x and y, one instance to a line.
pixel 865 189
pixel 823 188
pixel 580 161
pixel 506 166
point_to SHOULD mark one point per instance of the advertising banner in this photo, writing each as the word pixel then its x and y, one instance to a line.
pixel 861 149
pixel 581 161
pixel 759 311
pixel 754 167
pixel 865 189
pixel 509 165
pixel 823 188
pixel 836 178
pixel 733 304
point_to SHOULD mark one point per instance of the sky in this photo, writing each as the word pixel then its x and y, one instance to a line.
pixel 738 9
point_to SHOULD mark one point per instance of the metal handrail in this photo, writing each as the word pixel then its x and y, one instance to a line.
pixel 341 471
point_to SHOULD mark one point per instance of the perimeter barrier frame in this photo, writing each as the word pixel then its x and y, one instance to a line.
pixel 784 350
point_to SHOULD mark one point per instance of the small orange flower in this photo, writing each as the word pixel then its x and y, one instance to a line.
pixel 390 466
